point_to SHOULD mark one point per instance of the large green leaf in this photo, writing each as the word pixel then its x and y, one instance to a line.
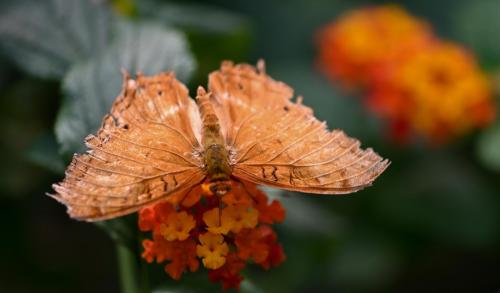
pixel 489 148
pixel 45 37
pixel 192 16
pixel 91 87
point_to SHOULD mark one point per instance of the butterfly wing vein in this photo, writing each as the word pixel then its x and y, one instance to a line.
pixel 280 143
pixel 144 152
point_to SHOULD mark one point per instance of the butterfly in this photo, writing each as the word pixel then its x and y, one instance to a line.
pixel 159 144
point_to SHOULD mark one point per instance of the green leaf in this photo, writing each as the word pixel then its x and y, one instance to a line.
pixel 476 23
pixel 91 87
pixel 45 37
pixel 192 16
pixel 44 153
pixel 489 147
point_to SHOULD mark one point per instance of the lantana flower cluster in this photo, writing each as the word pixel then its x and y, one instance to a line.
pixel 223 233
pixel 416 81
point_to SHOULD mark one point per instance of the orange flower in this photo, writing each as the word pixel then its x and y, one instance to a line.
pixel 147 219
pixel 178 226
pixel 162 211
pixel 269 213
pixel 447 91
pixel 356 46
pixel 229 273
pixel 183 257
pixel 224 232
pixel 150 216
pixel 181 254
pixel 238 196
pixel 213 250
pixel 260 245
pixel 149 253
pixel 439 92
pixel 215 223
pixel 417 82
pixel 239 217
pixel 231 218
pixel 275 256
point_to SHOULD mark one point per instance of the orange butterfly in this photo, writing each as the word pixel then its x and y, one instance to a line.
pixel 158 144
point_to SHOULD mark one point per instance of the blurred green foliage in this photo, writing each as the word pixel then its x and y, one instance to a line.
pixel 430 223
pixel 90 87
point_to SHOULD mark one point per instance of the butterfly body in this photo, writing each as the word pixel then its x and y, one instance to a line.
pixel 215 154
pixel 159 144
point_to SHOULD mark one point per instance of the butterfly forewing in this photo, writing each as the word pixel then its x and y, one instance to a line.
pixel 146 150
pixel 280 143
pixel 240 93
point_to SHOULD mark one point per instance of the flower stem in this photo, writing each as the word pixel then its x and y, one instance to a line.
pixel 127 264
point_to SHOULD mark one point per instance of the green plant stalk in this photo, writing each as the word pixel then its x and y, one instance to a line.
pixel 127 265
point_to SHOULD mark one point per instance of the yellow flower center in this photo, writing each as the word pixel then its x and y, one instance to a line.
pixel 212 250
pixel 177 226
pixel 232 218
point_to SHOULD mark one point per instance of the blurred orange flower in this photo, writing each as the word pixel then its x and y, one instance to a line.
pixel 224 233
pixel 438 92
pixel 353 48
pixel 419 83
